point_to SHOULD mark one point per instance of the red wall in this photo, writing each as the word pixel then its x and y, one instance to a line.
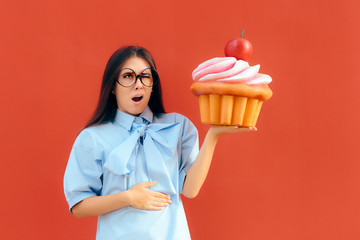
pixel 296 178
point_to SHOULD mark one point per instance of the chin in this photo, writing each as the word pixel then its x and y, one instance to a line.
pixel 137 112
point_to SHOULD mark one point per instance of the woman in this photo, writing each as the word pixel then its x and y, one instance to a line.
pixel 132 161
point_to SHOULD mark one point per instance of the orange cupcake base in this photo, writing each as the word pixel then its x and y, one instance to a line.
pixel 229 110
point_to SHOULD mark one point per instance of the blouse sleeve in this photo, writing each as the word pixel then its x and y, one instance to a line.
pixel 83 174
pixel 189 150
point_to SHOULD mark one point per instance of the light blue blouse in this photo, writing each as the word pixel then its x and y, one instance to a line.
pixel 113 157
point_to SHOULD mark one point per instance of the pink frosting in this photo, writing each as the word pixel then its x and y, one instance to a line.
pixel 229 69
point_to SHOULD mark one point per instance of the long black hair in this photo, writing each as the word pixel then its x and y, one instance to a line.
pixel 107 105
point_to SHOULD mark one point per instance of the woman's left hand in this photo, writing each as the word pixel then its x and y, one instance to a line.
pixel 219 130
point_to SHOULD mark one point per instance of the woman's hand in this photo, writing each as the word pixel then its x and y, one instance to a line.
pixel 218 130
pixel 143 198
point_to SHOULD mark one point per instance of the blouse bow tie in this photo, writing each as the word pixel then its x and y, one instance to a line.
pixel 159 141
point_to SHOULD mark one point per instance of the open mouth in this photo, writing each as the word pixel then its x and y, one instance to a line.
pixel 137 98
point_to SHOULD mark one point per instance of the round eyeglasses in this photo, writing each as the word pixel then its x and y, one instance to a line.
pixel 127 77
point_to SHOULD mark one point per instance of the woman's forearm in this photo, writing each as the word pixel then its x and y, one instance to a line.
pixel 197 173
pixel 138 196
pixel 97 205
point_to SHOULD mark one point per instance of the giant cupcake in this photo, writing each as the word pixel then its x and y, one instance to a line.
pixel 230 91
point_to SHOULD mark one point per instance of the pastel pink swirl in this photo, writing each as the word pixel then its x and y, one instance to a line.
pixel 230 69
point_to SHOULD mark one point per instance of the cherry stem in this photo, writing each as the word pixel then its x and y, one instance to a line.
pixel 242 33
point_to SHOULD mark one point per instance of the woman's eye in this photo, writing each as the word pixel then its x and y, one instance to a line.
pixel 145 76
pixel 127 75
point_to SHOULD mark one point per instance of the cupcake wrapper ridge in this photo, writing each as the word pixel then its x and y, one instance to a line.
pixel 229 110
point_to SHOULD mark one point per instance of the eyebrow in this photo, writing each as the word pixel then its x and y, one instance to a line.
pixel 142 71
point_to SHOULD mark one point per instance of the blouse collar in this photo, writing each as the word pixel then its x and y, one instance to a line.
pixel 126 120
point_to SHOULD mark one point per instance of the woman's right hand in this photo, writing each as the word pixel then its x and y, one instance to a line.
pixel 143 198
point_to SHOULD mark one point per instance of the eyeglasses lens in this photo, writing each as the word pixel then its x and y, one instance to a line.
pixel 128 77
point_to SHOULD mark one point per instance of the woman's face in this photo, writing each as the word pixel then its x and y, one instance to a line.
pixel 133 100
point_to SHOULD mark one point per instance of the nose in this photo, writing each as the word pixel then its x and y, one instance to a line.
pixel 138 83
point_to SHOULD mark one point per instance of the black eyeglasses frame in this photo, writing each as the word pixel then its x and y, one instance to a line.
pixel 154 75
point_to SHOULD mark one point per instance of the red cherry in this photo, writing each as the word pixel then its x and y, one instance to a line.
pixel 239 48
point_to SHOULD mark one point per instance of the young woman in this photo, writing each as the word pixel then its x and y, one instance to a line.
pixel 132 161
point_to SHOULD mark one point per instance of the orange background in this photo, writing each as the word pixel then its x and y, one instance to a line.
pixel 296 178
